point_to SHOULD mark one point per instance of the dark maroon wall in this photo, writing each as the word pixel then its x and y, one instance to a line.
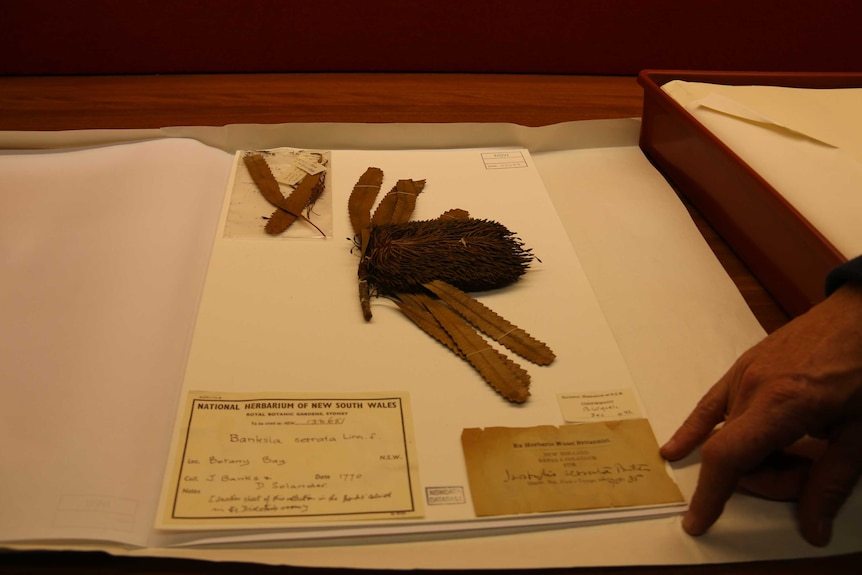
pixel 526 36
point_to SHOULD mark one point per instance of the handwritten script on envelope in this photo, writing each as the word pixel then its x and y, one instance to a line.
pixel 243 459
pixel 573 467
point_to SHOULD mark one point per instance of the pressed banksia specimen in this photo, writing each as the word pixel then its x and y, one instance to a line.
pixel 426 267
pixel 470 254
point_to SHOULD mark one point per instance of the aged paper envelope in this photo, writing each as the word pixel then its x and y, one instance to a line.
pixel 547 468
pixel 247 458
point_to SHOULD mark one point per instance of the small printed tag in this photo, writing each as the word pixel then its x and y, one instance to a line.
pixel 504 160
pixel 599 405
pixel 449 495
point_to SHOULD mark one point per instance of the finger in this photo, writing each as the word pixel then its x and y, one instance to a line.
pixel 708 413
pixel 830 482
pixel 731 452
pixel 715 484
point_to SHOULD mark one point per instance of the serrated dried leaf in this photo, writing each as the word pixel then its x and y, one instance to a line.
pixel 360 202
pixel 407 191
pixel 292 206
pixel 501 373
pixel 288 209
pixel 492 324
pixel 398 204
pixel 410 305
pixel 455 214
pixel 262 177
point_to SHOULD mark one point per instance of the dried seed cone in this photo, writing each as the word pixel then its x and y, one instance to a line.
pixel 470 254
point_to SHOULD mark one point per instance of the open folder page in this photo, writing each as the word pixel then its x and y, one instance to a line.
pixel 103 254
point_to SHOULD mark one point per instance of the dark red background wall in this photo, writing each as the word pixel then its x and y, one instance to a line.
pixel 526 36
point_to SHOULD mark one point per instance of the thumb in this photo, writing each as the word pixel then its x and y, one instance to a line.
pixel 830 482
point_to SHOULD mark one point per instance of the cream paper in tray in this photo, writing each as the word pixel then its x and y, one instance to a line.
pixel 807 143
pixel 283 316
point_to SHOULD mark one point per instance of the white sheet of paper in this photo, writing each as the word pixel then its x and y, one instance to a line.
pixel 103 254
pixel 806 143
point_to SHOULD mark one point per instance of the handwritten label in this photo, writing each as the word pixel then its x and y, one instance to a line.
pixel 573 467
pixel 247 459
pixel 308 163
pixel 297 165
pixel 599 405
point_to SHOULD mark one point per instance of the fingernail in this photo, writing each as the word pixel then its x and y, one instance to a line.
pixel 824 533
pixel 669 445
pixel 688 524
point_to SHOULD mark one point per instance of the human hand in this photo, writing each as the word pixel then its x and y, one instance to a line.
pixel 802 381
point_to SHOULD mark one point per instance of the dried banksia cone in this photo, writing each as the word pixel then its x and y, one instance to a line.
pixel 470 254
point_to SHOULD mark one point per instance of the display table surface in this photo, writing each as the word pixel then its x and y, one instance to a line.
pixel 73 103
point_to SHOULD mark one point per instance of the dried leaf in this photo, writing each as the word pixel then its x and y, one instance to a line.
pixel 292 205
pixel 360 202
pixel 398 204
pixel 289 209
pixel 455 214
pixel 493 325
pixel 262 177
pixel 501 373
pixel 411 306
pixel 406 190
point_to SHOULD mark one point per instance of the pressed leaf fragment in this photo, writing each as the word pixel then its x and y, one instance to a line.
pixel 455 214
pixel 288 209
pixel 411 306
pixel 493 325
pixel 398 204
pixel 361 201
pixel 407 191
pixel 292 205
pixel 262 177
pixel 506 377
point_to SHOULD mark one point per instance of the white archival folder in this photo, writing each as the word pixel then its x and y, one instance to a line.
pixel 662 316
pixel 282 315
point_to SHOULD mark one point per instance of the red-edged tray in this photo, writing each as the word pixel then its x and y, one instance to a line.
pixel 786 253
